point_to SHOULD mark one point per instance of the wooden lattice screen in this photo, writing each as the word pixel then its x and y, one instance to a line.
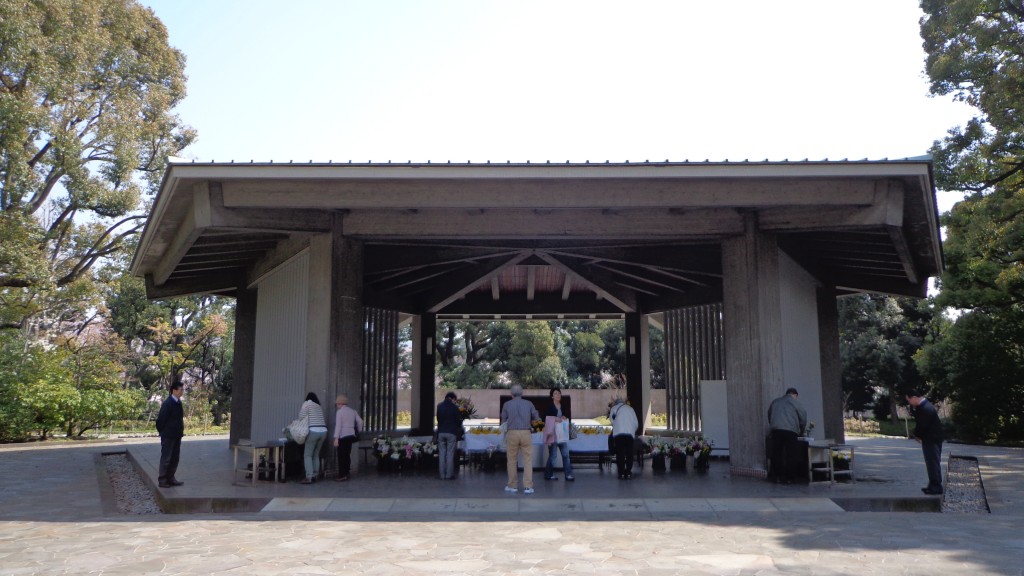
pixel 694 351
pixel 380 370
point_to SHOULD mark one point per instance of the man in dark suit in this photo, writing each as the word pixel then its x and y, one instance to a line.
pixel 170 423
pixel 928 431
pixel 449 427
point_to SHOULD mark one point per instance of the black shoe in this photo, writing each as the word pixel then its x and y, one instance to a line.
pixel 175 482
pixel 932 492
pixel 569 478
pixel 166 485
pixel 551 478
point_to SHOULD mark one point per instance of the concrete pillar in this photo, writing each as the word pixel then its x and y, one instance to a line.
pixel 831 364
pixel 242 368
pixel 638 365
pixel 753 342
pixel 318 322
pixel 424 330
pixel 346 323
pixel 345 355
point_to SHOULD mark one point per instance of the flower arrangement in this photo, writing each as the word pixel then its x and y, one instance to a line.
pixel 381 447
pixel 699 446
pixel 537 425
pixel 401 452
pixel 475 430
pixel 841 460
pixel 809 428
pixel 466 408
pixel 591 430
pixel 657 447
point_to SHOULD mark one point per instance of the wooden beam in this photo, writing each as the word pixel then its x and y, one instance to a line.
pixel 197 218
pixel 899 242
pixel 477 303
pixel 468 281
pixel 394 261
pixel 531 281
pixel 205 284
pixel 885 209
pixel 212 264
pixel 514 224
pixel 881 285
pixel 621 299
pixel 279 255
pixel 278 219
pixel 495 292
pixel 643 279
pixel 546 193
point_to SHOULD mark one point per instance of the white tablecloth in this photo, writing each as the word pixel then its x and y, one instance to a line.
pixel 582 443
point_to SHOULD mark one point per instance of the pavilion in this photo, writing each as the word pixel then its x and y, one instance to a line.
pixel 739 262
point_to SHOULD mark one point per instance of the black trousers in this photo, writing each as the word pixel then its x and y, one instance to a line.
pixel 933 462
pixel 785 457
pixel 624 454
pixel 345 455
pixel 170 451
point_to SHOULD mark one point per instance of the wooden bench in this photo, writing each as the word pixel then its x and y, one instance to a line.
pixel 271 450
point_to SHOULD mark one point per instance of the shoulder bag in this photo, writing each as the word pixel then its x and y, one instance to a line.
pixel 298 430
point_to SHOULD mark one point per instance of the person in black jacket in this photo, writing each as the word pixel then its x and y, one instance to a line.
pixel 170 423
pixel 449 428
pixel 928 431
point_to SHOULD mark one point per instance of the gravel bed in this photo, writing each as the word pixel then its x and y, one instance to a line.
pixel 132 495
pixel 964 491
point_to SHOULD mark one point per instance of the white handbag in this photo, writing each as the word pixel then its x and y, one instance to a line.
pixel 298 430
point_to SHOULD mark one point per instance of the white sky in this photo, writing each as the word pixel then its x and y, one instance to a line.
pixel 555 80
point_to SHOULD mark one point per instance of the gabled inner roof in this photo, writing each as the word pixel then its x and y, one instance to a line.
pixel 586 240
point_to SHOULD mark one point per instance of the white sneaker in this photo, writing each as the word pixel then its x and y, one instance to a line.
pixel 528 491
pixel 511 489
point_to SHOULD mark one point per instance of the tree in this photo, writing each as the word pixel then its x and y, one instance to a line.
pixel 978 365
pixel 878 338
pixel 86 93
pixel 94 369
pixel 586 356
pixel 976 55
pixel 613 357
pixel 532 345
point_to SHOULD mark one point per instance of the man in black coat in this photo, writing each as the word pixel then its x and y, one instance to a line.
pixel 170 423
pixel 449 428
pixel 928 431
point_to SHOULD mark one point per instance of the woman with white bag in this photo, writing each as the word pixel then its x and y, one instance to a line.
pixel 556 437
pixel 313 414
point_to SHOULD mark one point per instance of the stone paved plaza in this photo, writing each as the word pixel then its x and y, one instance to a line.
pixel 55 519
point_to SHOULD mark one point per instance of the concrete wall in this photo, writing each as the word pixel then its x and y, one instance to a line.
pixel 585 403
pixel 279 374
pixel 801 355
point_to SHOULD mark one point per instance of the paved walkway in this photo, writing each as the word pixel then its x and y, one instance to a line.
pixel 54 520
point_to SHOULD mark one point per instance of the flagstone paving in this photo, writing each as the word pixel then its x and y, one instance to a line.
pixel 53 520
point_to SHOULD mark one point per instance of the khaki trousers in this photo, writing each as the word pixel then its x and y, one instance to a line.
pixel 519 442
